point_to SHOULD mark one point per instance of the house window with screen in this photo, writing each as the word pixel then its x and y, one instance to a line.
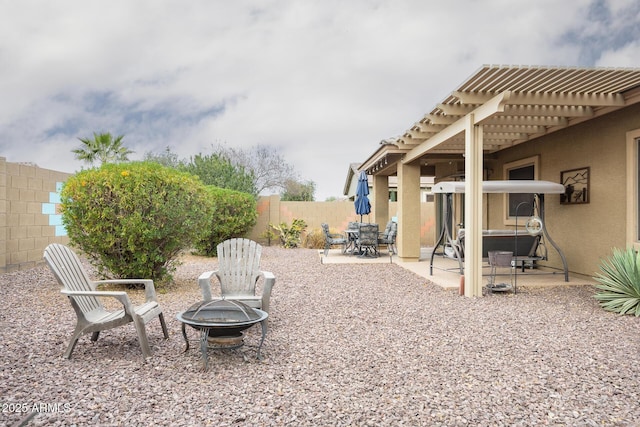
pixel 633 189
pixel 516 204
pixel 636 197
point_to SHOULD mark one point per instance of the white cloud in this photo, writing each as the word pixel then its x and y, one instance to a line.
pixel 322 81
pixel 626 56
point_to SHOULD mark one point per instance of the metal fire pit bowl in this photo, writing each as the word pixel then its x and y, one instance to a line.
pixel 221 324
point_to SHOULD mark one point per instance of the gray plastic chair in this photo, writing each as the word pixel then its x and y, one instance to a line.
pixel 332 239
pixel 367 240
pixel 388 237
pixel 92 316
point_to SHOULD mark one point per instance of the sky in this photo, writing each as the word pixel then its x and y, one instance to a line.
pixel 321 81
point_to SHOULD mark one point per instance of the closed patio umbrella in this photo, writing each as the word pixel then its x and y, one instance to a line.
pixel 363 206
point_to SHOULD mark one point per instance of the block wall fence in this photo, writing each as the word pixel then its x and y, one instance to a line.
pixel 30 220
pixel 338 214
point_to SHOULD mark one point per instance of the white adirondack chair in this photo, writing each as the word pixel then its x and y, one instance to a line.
pixel 238 274
pixel 92 316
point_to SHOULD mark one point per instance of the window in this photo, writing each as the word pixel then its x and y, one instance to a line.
pixel 636 188
pixel 517 204
pixel 633 188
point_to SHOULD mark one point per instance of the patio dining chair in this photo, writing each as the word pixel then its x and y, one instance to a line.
pixel 85 300
pixel 388 237
pixel 367 240
pixel 332 239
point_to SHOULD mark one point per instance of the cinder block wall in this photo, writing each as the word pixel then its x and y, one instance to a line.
pixel 29 219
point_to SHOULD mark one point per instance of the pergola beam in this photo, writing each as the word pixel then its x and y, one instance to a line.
pixel 566 99
pixel 549 110
pixel 456 110
pixel 501 128
pixel 441 119
pixel 525 120
pixel 493 106
pixel 416 134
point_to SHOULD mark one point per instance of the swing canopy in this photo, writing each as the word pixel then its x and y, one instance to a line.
pixel 512 186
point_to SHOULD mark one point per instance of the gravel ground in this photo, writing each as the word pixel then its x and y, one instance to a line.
pixel 348 345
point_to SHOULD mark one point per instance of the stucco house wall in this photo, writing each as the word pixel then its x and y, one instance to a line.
pixel 585 232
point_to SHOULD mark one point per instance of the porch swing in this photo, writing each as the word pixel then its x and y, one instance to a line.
pixel 528 245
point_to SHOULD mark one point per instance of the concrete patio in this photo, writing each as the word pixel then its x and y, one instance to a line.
pixel 446 274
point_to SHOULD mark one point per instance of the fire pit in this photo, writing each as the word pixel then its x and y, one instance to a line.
pixel 221 324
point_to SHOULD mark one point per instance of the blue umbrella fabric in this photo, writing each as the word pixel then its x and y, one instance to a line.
pixel 363 206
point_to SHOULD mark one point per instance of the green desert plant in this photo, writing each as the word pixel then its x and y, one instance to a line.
pixel 290 236
pixel 619 282
pixel 269 234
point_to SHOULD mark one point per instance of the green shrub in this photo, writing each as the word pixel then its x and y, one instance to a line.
pixel 290 235
pixel 619 287
pixel 234 213
pixel 133 219
pixel 269 234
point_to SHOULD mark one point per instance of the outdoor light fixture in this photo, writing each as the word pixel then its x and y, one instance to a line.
pixel 534 225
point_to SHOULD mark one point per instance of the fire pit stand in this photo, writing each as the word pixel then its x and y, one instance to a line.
pixel 221 324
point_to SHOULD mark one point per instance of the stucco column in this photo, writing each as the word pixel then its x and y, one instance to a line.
pixel 473 209
pixel 381 200
pixel 408 240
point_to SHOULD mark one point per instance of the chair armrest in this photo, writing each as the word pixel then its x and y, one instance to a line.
pixel 149 288
pixel 205 284
pixel 269 281
pixel 120 296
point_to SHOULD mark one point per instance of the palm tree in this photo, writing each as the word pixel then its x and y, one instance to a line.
pixel 103 148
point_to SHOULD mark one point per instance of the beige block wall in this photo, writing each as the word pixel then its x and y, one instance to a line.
pixel 24 228
pixel 3 214
pixel 338 214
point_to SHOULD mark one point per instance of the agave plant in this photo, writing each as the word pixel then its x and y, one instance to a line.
pixel 619 282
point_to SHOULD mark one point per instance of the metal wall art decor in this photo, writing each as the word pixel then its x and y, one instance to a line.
pixel 576 186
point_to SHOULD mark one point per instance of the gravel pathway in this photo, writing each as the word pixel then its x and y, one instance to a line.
pixel 348 345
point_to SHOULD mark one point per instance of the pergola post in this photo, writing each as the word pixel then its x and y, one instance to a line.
pixel 409 211
pixel 473 208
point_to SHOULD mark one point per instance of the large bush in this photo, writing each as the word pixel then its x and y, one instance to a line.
pixel 133 219
pixel 234 213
